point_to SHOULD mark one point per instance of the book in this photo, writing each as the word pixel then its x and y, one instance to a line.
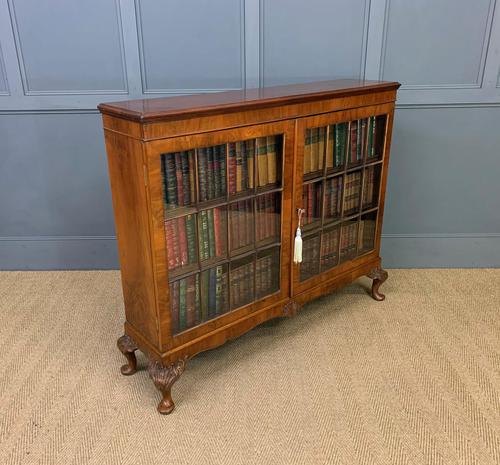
pixel 262 169
pixel 222 168
pixel 216 171
pixel 182 239
pixel 220 290
pixel 244 166
pixel 212 284
pixel 191 168
pixel 204 237
pixel 340 143
pixel 353 141
pixel 170 239
pixel 314 149
pixel 204 298
pixel 171 180
pixel 271 159
pixel 321 146
pixel 239 167
pixel 182 304
pixel 352 191
pixel 307 151
pixel 174 306
pixel 191 308
pixel 330 156
pixel 232 168
pixel 186 182
pixel 202 174
pixel 211 194
pixel 191 238
pixel 211 233
pixel 250 151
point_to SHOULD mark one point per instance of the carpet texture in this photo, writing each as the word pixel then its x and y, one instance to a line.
pixel 412 380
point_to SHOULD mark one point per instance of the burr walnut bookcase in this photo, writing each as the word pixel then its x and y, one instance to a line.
pixel 208 191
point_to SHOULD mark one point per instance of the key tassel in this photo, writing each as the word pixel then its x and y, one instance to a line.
pixel 297 249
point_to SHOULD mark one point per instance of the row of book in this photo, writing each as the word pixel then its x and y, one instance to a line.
pixel 178 179
pixel 352 192
pixel 329 248
pixel 212 232
pixel 212 172
pixel 311 200
pixel 199 297
pixel 180 234
pixel 371 181
pixel 361 139
pixel 354 240
pixel 266 222
pixel 242 164
pixel 333 197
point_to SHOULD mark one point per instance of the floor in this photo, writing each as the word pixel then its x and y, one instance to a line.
pixel 411 380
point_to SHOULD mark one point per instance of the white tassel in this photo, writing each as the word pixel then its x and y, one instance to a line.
pixel 297 250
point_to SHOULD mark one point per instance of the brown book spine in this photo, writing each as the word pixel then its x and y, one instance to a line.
pixel 250 151
pixel 174 305
pixel 182 237
pixel 191 301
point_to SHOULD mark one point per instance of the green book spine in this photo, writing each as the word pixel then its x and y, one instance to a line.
pixel 182 304
pixel 202 172
pixel 191 238
pixel 222 168
pixel 186 183
pixel 171 180
pixel 210 173
pixel 211 292
pixel 197 300
pixel 211 233
pixel 204 235
pixel 219 290
pixel 204 296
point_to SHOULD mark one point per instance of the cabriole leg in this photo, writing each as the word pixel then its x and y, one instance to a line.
pixel 379 276
pixel 127 347
pixel 163 378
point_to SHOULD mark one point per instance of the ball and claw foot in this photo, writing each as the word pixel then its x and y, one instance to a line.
pixel 127 347
pixel 379 276
pixel 163 378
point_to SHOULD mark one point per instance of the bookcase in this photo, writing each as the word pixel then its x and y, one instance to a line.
pixel 208 193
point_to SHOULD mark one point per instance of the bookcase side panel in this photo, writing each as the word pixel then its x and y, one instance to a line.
pixel 132 229
pixel 385 170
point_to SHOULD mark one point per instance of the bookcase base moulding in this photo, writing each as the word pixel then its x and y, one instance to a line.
pixel 208 194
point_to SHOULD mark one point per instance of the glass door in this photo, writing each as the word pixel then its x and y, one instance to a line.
pixel 340 166
pixel 218 201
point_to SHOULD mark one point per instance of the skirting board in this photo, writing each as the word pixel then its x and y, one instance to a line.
pixel 58 253
pixel 398 251
pixel 441 250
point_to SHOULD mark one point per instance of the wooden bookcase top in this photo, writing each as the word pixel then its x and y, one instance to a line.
pixel 168 108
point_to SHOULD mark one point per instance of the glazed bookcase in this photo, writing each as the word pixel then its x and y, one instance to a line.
pixel 208 192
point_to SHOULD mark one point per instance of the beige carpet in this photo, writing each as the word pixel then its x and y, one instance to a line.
pixel 412 380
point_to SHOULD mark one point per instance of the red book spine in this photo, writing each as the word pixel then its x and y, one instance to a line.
pixel 183 247
pixel 178 176
pixel 169 237
pixel 217 233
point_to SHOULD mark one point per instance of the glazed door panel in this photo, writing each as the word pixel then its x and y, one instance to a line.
pixel 220 208
pixel 340 170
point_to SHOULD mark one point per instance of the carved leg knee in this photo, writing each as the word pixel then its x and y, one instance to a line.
pixel 379 276
pixel 163 378
pixel 127 347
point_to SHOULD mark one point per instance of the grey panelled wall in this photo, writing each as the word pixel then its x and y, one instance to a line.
pixel 60 59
